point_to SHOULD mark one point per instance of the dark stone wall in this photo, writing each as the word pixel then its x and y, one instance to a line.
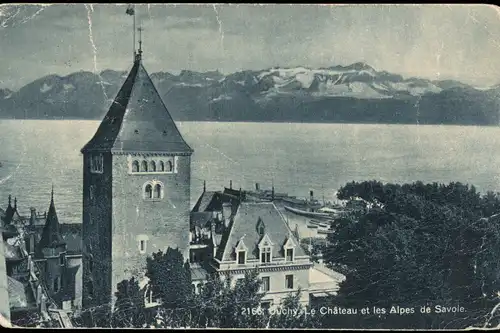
pixel 96 233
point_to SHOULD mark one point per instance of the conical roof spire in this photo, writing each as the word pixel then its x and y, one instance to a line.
pixel 51 236
pixel 9 212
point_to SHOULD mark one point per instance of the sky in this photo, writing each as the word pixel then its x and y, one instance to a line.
pixel 460 42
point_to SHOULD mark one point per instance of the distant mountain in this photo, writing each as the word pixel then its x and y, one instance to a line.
pixel 356 93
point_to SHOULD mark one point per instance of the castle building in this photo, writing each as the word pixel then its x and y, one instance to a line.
pixel 232 232
pixel 136 188
pixel 50 255
pixel 42 280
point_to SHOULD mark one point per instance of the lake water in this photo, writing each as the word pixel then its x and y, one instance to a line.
pixel 297 157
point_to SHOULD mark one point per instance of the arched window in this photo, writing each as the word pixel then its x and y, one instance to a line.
pixel 152 166
pixel 158 191
pixel 198 287
pixel 91 265
pixel 162 166
pixel 135 166
pixel 148 191
pixel 169 166
pixel 144 166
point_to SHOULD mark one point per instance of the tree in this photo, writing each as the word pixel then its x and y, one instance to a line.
pixel 222 305
pixel 130 310
pixel 419 244
pixel 170 281
pixel 170 278
pixel 292 314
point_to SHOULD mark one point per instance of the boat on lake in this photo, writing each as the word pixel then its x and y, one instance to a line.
pixel 312 226
pixel 322 231
pixel 320 223
pixel 308 214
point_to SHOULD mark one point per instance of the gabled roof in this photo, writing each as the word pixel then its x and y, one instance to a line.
pixel 51 235
pixel 244 224
pixel 138 120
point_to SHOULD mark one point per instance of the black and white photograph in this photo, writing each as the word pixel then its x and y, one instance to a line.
pixel 258 166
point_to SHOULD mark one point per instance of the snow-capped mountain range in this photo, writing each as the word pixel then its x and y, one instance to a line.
pixel 354 93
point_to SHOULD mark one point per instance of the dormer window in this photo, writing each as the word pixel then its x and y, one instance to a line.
pixel 289 249
pixel 261 229
pixel 241 252
pixel 242 257
pixel 96 163
pixel 265 255
pixel 266 250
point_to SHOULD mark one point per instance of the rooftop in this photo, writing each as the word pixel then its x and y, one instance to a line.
pixel 138 120
pixel 244 226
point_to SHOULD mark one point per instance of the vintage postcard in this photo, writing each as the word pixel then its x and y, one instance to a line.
pixel 250 166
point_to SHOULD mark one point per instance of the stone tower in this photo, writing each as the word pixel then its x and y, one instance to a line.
pixel 136 188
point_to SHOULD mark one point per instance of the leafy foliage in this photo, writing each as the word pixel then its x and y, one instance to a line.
pixel 129 309
pixel 170 278
pixel 418 244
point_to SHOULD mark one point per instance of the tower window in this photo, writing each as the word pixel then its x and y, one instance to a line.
pixel 62 260
pixel 144 166
pixel 148 191
pixel 162 166
pixel 142 241
pixel 289 254
pixel 135 166
pixel 158 191
pixel 153 166
pixel 96 163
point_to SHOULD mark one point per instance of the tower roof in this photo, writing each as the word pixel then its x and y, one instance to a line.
pixel 51 236
pixel 138 120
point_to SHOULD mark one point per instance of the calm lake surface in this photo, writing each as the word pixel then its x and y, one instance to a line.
pixel 297 157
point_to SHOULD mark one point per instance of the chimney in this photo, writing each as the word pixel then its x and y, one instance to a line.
pixel 226 213
pixel 311 195
pixel 33 216
pixel 272 193
pixel 231 184
pixel 204 186
pixel 257 187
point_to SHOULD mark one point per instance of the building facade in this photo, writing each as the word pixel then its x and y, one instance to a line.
pixel 232 233
pixel 136 188
pixel 42 280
